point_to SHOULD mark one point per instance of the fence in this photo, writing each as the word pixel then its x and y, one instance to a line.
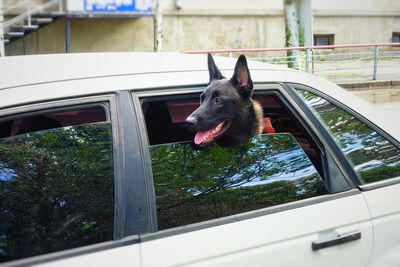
pixel 339 63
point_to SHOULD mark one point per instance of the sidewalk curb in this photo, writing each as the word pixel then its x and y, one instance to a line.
pixel 369 85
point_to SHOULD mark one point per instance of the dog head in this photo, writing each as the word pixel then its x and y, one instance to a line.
pixel 224 105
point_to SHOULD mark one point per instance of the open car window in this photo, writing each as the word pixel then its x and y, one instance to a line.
pixel 194 185
pixel 165 121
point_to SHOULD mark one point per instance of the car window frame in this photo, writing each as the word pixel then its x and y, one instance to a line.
pixel 180 92
pixel 291 88
pixel 110 103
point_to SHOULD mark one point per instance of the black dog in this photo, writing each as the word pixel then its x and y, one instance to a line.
pixel 227 112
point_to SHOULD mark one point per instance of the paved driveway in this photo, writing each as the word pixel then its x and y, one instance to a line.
pixel 385 98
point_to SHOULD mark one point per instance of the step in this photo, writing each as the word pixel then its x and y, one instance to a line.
pixel 6 41
pixel 24 28
pixel 41 20
pixel 14 34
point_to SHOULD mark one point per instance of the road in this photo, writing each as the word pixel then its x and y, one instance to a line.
pixel 353 71
pixel 385 98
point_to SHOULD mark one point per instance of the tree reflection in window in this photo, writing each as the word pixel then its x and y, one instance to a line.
pixel 56 190
pixel 197 185
pixel 373 157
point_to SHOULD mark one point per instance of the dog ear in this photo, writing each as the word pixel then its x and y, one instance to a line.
pixel 213 70
pixel 241 77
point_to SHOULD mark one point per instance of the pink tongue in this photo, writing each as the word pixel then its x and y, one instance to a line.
pixel 199 137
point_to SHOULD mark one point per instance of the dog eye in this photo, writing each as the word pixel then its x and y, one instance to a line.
pixel 218 100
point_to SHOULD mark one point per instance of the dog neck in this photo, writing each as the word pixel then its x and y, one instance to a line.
pixel 246 126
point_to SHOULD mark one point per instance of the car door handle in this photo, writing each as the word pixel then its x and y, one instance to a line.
pixel 316 245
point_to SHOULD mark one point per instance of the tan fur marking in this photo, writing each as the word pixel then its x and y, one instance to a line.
pixel 258 111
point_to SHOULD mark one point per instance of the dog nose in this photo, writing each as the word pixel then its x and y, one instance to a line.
pixel 191 122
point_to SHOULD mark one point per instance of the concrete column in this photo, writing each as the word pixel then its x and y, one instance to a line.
pixel 158 31
pixel 306 21
pixel 2 52
pixel 292 33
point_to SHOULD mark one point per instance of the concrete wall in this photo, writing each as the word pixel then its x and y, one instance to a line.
pixel 210 24
pixel 49 39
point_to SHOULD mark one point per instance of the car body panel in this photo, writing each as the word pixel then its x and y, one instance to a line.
pixel 126 256
pixel 385 211
pixel 264 240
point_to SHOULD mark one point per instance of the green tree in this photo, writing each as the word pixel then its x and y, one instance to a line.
pixel 56 190
pixel 194 185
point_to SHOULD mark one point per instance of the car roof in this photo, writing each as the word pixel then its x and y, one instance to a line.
pixel 30 79
pixel 34 69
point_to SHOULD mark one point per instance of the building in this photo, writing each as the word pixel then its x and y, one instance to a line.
pixel 207 24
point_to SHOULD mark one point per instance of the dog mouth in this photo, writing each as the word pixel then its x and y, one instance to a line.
pixel 206 137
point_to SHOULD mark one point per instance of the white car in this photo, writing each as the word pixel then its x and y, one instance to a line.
pixel 97 168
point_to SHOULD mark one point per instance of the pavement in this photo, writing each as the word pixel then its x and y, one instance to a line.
pixel 356 75
pixel 357 70
pixel 387 98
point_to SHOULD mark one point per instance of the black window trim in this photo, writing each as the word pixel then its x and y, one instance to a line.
pixel 338 152
pixel 108 102
pixel 184 92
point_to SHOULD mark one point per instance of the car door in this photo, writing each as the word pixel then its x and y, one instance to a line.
pixel 241 225
pixel 374 157
pixel 60 185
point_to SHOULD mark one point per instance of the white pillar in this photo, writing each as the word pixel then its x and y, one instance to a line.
pixel 158 31
pixel 292 32
pixel 306 21
pixel 2 52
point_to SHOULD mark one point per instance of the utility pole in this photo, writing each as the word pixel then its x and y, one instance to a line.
pixel 292 33
pixel 158 31
pixel 2 51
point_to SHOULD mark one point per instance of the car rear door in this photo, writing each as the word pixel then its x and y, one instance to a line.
pixel 324 229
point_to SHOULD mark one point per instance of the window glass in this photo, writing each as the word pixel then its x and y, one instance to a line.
pixel 194 185
pixel 165 122
pixel 56 183
pixel 324 39
pixel 372 156
pixel 396 37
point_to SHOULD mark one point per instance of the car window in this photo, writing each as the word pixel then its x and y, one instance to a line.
pixel 194 184
pixel 165 121
pixel 56 182
pixel 372 156
pixel 197 185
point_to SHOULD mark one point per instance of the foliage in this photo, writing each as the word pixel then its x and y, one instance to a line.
pixel 373 157
pixel 56 190
pixel 196 185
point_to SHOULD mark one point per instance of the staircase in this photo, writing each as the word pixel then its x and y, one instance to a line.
pixel 23 17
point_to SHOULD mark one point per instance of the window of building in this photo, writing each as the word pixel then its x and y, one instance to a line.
pixel 396 37
pixel 324 39
pixel 197 184
pixel 56 182
pixel 372 156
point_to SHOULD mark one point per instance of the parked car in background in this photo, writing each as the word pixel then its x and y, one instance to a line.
pixel 98 168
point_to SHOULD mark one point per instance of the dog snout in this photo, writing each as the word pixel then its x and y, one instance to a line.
pixel 191 122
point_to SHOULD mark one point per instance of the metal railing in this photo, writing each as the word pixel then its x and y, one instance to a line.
pixel 340 63
pixel 30 11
